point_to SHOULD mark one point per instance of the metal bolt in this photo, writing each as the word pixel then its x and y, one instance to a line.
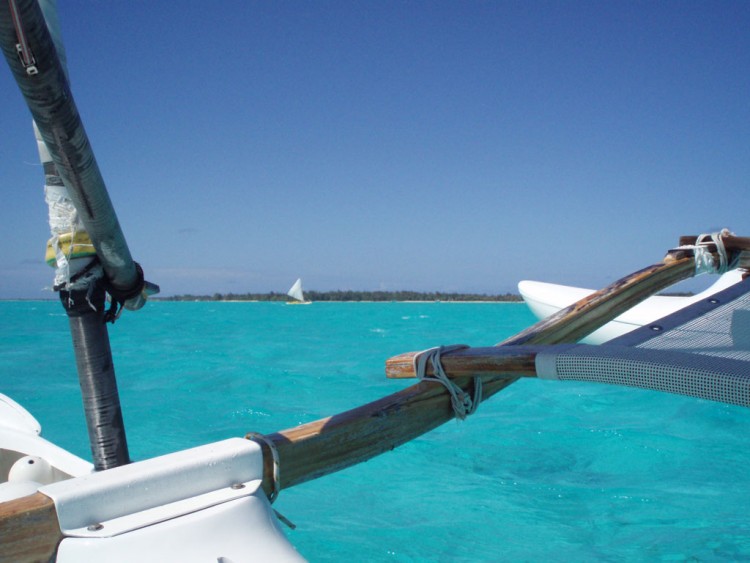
pixel 238 486
pixel 95 527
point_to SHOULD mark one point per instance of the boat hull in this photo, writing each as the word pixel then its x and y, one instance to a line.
pixel 545 299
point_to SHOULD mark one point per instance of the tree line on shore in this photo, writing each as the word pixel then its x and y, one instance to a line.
pixel 350 295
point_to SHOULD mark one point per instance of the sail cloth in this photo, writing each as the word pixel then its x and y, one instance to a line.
pixel 702 351
pixel 295 292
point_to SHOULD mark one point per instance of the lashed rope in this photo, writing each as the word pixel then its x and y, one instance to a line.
pixel 704 260
pixel 463 404
pixel 260 439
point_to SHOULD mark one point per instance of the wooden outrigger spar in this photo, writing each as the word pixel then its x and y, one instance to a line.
pixel 327 445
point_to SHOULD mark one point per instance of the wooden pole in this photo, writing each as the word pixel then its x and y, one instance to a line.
pixel 495 361
pixel 508 362
pixel 29 530
pixel 327 445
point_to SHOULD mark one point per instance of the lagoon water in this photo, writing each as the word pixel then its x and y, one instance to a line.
pixel 542 471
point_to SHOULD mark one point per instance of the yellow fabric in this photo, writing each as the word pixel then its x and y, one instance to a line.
pixel 72 246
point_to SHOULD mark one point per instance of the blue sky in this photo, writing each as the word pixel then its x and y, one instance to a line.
pixel 450 146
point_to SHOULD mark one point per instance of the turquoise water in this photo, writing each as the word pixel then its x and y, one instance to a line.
pixel 543 471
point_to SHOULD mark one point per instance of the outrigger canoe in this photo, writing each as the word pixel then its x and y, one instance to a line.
pixel 213 502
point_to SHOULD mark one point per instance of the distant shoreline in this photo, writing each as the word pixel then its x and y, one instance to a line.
pixel 485 301
pixel 330 297
pixel 337 297
pixel 354 296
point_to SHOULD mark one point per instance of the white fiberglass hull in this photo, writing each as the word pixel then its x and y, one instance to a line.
pixel 201 504
pixel 545 299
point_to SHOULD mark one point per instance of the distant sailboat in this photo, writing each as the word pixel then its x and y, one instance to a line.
pixel 295 292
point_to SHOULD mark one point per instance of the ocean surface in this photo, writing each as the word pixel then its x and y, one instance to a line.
pixel 543 471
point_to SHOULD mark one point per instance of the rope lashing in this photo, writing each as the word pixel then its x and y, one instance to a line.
pixel 120 297
pixel 463 404
pixel 259 438
pixel 704 260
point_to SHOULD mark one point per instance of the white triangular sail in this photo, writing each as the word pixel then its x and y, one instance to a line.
pixel 295 292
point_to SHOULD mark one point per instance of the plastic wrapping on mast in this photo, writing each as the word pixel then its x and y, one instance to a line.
pixel 69 249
